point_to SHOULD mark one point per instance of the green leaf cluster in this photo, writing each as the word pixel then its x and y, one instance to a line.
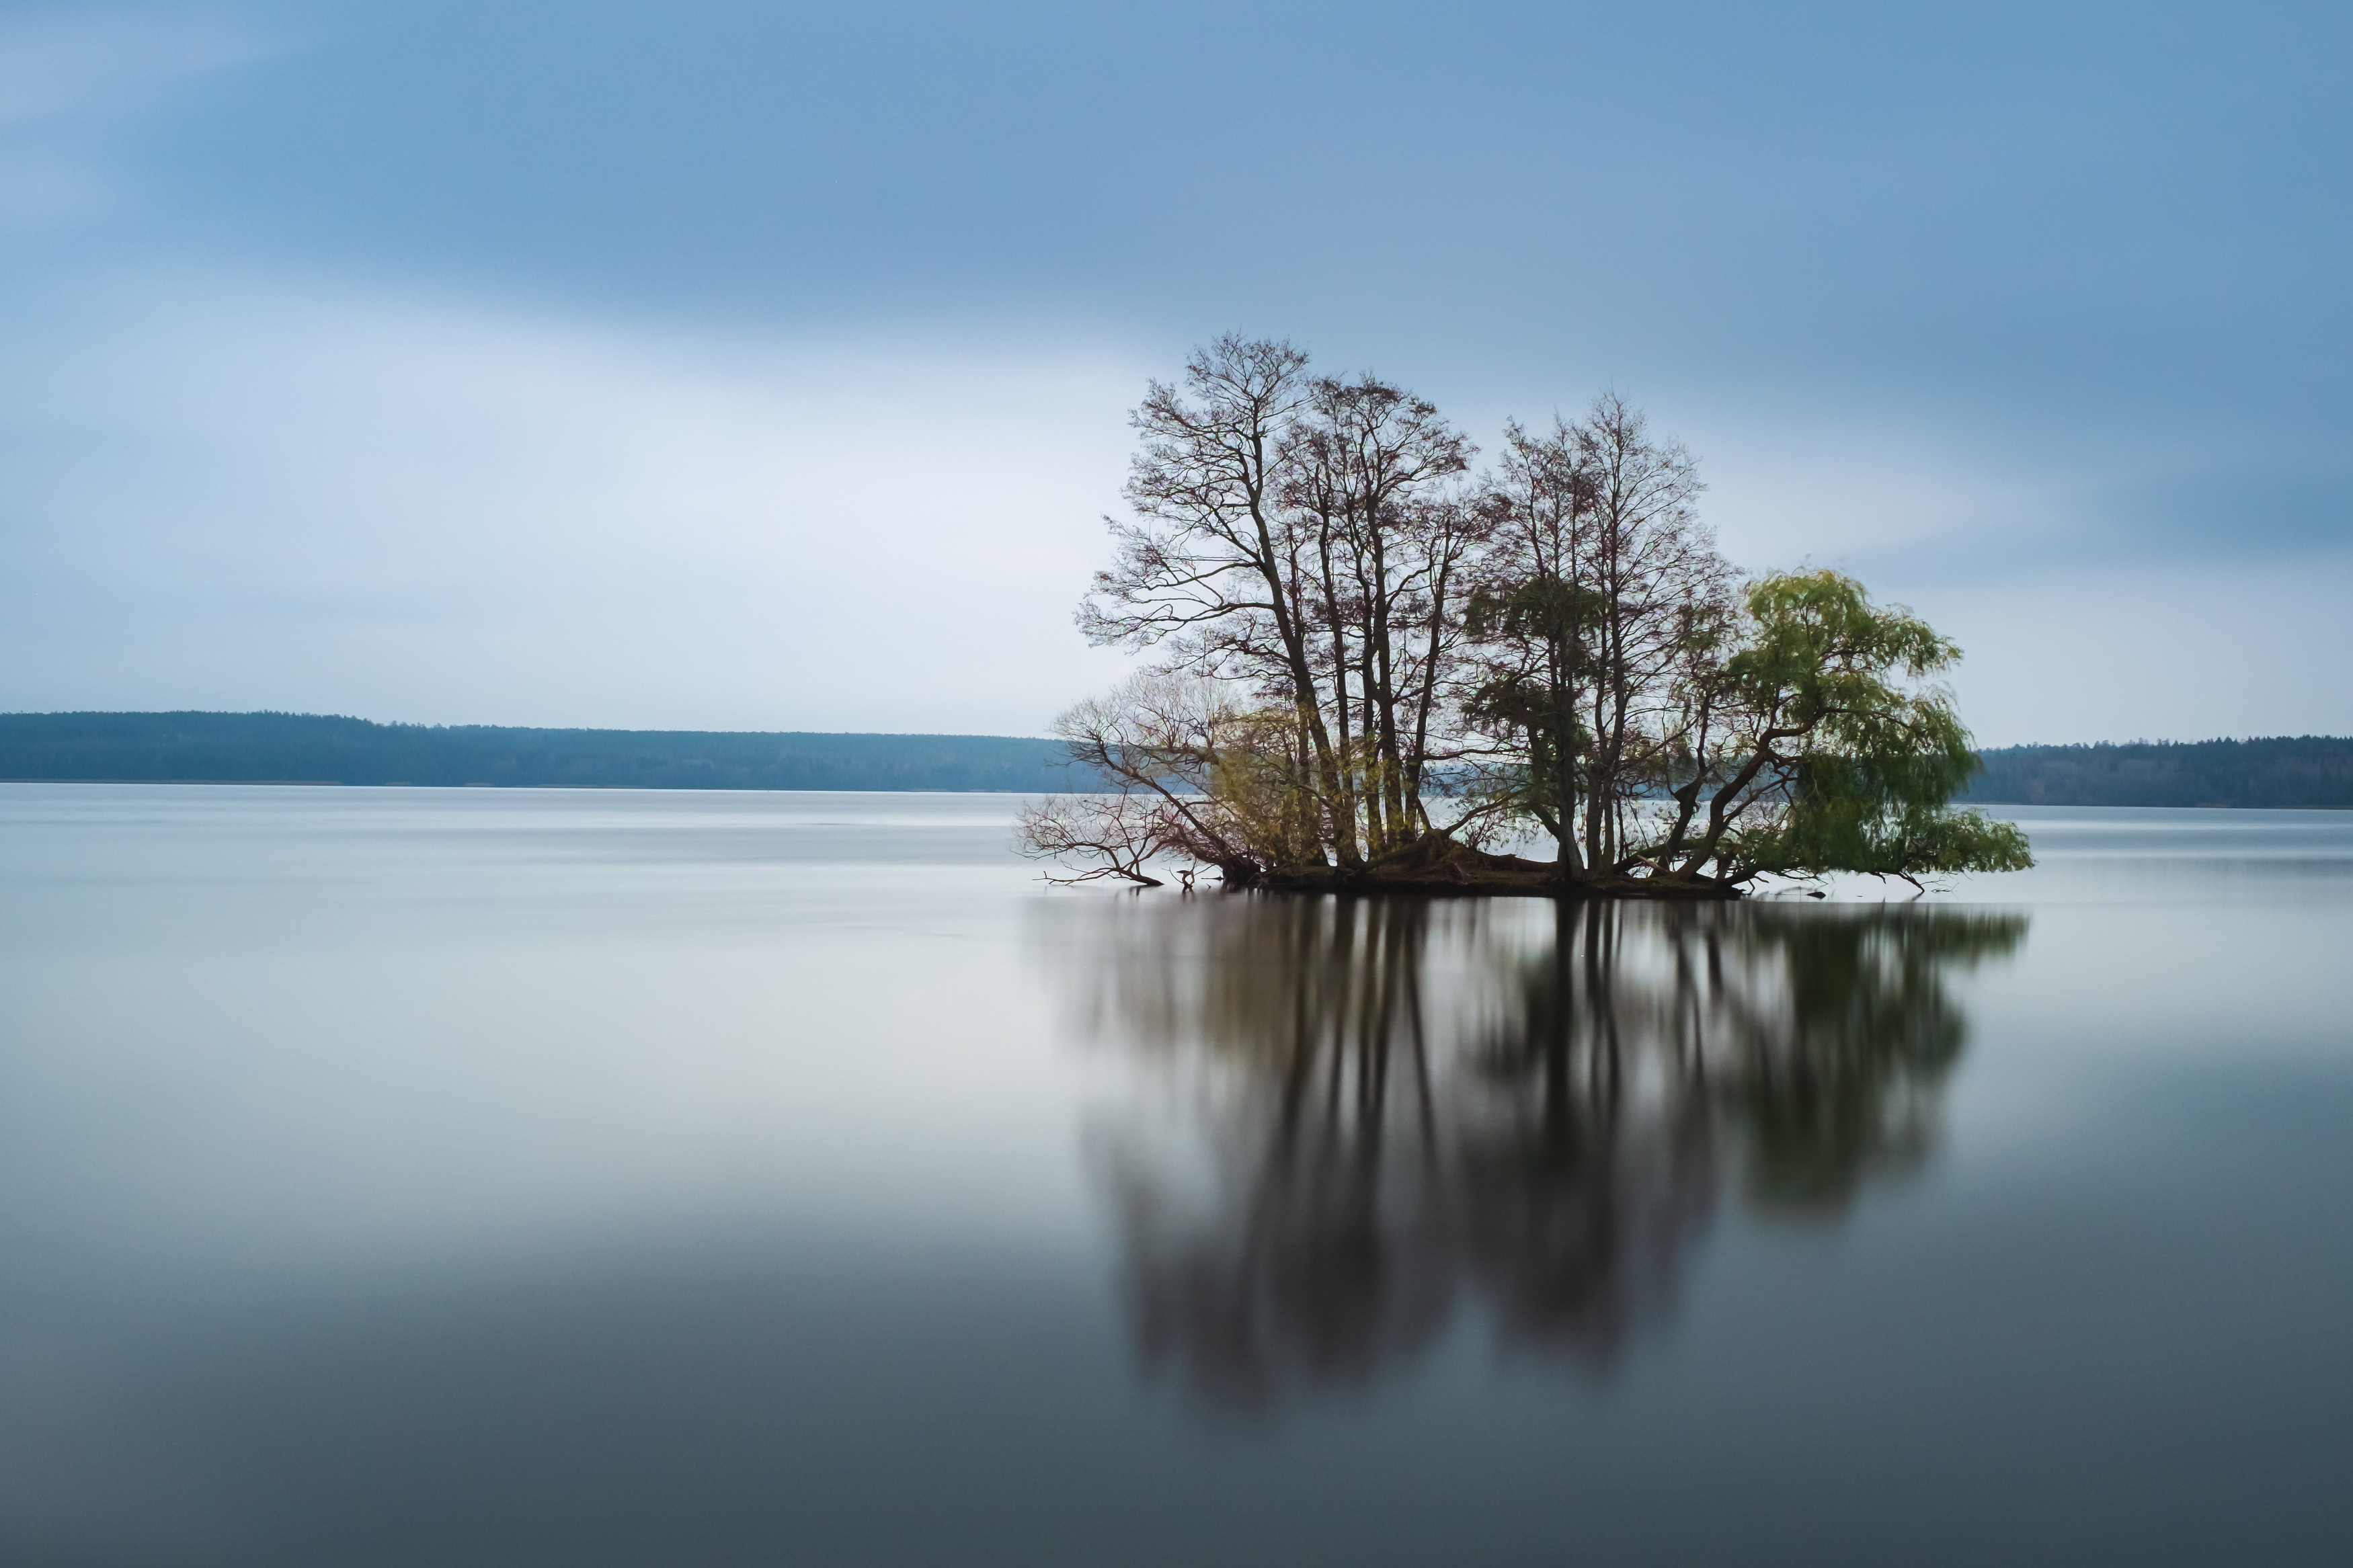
pixel 1864 762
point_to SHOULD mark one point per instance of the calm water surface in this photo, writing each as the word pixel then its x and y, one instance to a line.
pixel 461 1177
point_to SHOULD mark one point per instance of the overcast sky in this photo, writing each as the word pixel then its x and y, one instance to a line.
pixel 755 366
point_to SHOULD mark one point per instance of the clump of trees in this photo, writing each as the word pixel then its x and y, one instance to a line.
pixel 1373 664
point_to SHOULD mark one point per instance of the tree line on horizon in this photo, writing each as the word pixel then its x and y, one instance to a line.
pixel 1372 663
pixel 2289 772
pixel 306 748
pixel 2280 772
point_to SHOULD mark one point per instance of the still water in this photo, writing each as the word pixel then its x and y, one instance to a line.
pixel 459 1177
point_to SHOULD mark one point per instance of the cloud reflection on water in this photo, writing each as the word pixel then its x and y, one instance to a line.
pixel 1368 1115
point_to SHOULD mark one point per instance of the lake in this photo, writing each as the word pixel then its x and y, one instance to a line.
pixel 455 1177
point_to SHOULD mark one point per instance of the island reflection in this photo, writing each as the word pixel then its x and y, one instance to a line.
pixel 1370 1114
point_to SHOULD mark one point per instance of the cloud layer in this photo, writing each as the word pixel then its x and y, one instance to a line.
pixel 726 364
pixel 237 498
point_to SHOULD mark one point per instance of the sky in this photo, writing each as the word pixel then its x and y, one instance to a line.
pixel 718 363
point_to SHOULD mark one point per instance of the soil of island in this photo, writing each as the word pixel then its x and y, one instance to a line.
pixel 1435 864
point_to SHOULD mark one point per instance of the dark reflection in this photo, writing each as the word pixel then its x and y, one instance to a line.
pixel 1378 1110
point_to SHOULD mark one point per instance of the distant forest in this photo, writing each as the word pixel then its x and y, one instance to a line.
pixel 300 748
pixel 2299 771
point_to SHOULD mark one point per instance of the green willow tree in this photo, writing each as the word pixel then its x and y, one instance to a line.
pixel 1809 744
pixel 1373 666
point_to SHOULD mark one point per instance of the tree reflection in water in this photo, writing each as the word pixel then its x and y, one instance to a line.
pixel 1383 1109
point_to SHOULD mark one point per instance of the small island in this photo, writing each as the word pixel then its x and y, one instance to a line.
pixel 1374 667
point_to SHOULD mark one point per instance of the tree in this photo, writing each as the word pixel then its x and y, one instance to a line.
pixel 1210 571
pixel 1601 588
pixel 1820 758
pixel 1367 476
pixel 1347 626
pixel 1195 775
pixel 1300 538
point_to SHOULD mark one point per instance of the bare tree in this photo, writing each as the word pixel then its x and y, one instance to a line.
pixel 1302 537
pixel 1194 774
pixel 1098 836
pixel 1210 570
pixel 1600 581
pixel 1369 478
pixel 1656 577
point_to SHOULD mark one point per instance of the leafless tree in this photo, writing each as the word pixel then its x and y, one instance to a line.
pixel 1209 570
pixel 1302 537
pixel 1194 774
pixel 1097 837
pixel 1602 585
pixel 1370 477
